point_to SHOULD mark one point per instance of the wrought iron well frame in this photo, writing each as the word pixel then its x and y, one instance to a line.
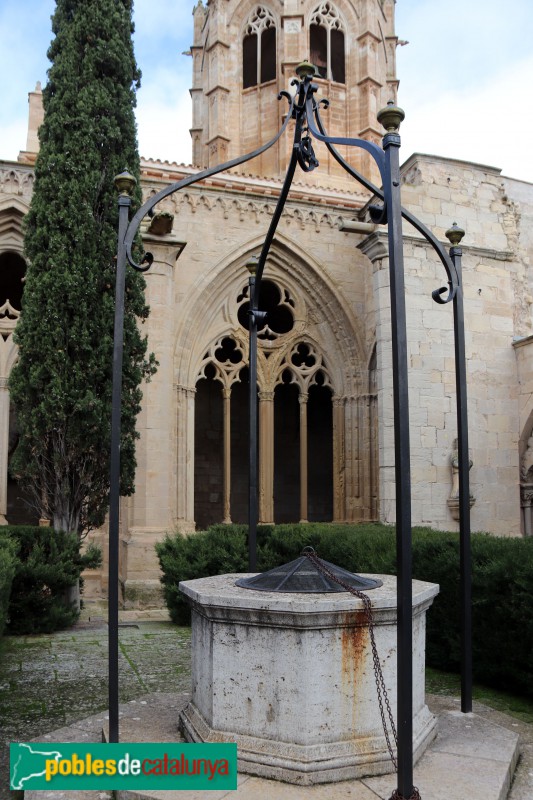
pixel 304 109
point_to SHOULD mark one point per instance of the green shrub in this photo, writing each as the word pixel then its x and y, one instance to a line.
pixel 49 564
pixel 502 583
pixel 8 563
pixel 223 549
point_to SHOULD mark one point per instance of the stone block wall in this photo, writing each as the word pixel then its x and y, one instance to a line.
pixel 439 192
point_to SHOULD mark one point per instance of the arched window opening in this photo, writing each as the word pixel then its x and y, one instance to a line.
pixel 259 49
pixel 319 49
pixel 208 451
pixel 286 453
pixel 12 271
pixel 326 43
pixel 320 452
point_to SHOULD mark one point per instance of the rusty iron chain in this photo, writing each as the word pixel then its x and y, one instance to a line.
pixel 383 698
pixel 397 796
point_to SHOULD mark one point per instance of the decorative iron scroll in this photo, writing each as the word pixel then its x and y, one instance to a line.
pixel 305 110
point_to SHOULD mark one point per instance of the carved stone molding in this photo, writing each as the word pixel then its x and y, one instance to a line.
pixel 256 210
pixel 17 181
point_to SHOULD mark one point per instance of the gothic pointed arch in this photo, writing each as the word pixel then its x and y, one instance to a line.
pixel 12 213
pixel 259 47
pixel 215 290
pixel 12 273
pixel 327 32
pixel 312 368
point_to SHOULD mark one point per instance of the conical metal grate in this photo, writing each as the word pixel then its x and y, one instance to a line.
pixel 302 575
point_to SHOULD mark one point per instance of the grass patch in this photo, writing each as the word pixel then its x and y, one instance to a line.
pixel 449 684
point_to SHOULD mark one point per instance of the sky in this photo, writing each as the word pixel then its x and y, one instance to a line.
pixel 466 78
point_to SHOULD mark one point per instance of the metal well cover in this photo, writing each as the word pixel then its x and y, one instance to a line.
pixel 302 575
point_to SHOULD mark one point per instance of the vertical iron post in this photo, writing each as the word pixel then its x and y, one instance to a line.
pixel 391 118
pixel 124 183
pixel 252 416
pixel 455 234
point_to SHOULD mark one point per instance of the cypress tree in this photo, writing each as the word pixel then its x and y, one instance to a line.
pixel 61 385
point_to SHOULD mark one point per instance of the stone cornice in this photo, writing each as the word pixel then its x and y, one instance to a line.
pixel 376 241
pixel 248 206
pixel 428 157
pixel 153 173
pixel 482 252
pixel 523 342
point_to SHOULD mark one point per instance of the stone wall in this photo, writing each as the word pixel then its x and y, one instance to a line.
pixel 495 279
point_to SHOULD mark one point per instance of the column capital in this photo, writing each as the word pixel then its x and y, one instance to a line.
pixel 188 391
pixel 303 397
pixel 266 396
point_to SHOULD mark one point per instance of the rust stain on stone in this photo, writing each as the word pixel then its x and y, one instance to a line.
pixel 354 638
pixel 354 642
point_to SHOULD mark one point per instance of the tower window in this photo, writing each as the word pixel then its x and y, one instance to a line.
pixel 326 37
pixel 259 48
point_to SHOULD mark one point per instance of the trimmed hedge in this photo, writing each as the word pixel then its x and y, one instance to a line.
pixel 49 564
pixel 502 583
pixel 8 564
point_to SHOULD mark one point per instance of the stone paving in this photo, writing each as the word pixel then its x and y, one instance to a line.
pixel 49 682
pixel 52 680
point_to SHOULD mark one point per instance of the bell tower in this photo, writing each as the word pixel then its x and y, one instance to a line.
pixel 245 52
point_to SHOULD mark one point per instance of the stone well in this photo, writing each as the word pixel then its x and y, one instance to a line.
pixel 289 677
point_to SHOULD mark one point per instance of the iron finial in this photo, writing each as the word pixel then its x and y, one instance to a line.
pixel 125 183
pixel 455 234
pixel 391 117
pixel 252 264
pixel 305 69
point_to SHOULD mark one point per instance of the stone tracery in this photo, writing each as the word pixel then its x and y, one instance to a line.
pixel 287 356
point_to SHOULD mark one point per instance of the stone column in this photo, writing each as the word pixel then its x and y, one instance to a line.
pixel 185 457
pixel 352 460
pixel 339 495
pixel 266 458
pixel 365 449
pixel 526 500
pixel 374 455
pixel 152 510
pixel 4 447
pixel 302 399
pixel 375 247
pixel 226 395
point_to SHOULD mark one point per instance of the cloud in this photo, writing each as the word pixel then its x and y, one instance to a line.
pixel 163 129
pixel 14 135
pixel 159 18
pixel 487 126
